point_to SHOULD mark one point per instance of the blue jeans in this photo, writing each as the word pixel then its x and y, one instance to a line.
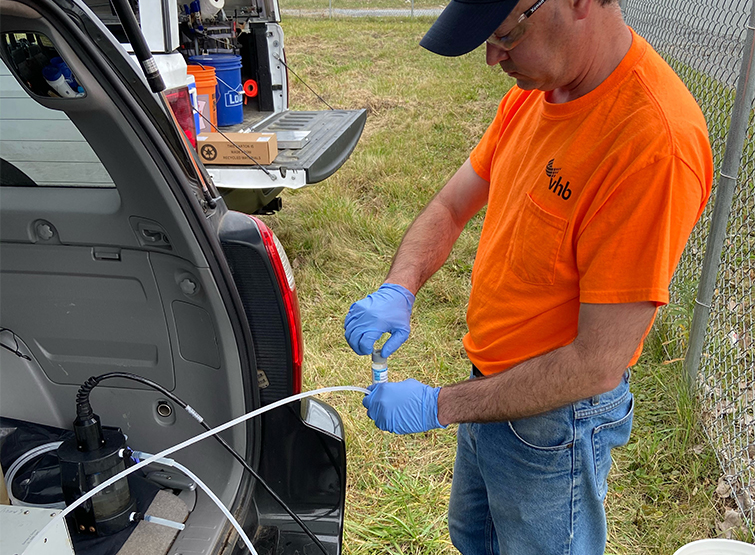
pixel 536 486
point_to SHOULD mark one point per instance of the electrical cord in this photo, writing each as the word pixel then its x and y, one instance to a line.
pixel 277 57
pixel 187 443
pixel 82 404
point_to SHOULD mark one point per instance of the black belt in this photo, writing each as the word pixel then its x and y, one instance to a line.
pixel 476 372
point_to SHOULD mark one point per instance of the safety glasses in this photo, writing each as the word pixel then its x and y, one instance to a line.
pixel 515 36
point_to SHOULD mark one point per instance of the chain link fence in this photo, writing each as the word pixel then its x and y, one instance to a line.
pixel 710 45
pixel 362 8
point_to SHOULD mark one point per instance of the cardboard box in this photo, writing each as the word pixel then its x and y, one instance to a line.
pixel 4 500
pixel 214 148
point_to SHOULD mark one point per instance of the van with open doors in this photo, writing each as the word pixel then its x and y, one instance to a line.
pixel 137 310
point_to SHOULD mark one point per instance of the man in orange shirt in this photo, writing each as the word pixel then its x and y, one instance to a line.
pixel 595 170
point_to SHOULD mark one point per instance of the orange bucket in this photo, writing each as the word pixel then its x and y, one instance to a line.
pixel 206 85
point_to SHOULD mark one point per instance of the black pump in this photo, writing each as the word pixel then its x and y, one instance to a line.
pixel 89 458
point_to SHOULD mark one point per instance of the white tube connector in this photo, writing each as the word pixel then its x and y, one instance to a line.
pixel 157 520
pixel 164 522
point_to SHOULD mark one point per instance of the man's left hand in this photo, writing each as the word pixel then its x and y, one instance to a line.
pixel 406 407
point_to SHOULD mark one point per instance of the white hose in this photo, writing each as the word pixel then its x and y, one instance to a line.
pixel 19 463
pixel 210 493
pixel 191 441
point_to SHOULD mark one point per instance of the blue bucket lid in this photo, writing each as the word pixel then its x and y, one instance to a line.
pixel 222 61
pixel 51 73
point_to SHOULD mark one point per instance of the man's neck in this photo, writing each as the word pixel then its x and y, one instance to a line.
pixel 601 59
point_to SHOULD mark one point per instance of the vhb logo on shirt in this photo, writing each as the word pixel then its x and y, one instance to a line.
pixel 556 186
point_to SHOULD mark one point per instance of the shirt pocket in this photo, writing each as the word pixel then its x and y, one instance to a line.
pixel 538 237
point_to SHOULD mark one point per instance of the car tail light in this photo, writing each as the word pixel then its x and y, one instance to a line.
pixel 179 101
pixel 284 275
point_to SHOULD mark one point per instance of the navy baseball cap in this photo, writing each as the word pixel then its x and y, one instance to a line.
pixel 465 24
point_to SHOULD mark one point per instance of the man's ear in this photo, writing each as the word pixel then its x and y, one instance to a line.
pixel 581 8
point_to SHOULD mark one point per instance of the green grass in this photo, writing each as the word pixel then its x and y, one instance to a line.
pixel 425 114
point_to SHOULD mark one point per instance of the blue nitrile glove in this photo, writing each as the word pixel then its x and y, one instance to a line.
pixel 406 407
pixel 386 310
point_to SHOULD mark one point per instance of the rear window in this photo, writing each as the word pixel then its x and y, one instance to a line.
pixel 40 146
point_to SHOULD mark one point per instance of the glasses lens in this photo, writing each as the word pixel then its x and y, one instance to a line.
pixel 509 41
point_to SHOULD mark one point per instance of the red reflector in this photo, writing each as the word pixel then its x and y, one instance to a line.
pixel 180 103
pixel 285 277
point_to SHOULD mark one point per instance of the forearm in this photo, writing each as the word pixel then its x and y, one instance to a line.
pixel 533 387
pixel 429 240
pixel 424 248
pixel 592 364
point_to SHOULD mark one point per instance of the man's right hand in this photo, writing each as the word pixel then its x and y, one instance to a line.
pixel 387 310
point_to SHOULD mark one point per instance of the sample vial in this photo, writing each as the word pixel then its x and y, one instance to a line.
pixel 379 366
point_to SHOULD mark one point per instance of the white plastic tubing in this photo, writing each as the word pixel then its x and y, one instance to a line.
pixel 20 462
pixel 182 445
pixel 210 494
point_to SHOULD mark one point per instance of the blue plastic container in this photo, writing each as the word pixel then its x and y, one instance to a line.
pixel 191 83
pixel 230 92
pixel 60 63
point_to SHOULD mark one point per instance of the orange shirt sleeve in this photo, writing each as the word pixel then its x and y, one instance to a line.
pixel 482 155
pixel 628 249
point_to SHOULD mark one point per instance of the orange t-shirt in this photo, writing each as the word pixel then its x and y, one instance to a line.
pixel 591 201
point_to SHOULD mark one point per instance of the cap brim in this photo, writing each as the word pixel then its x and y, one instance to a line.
pixel 465 25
